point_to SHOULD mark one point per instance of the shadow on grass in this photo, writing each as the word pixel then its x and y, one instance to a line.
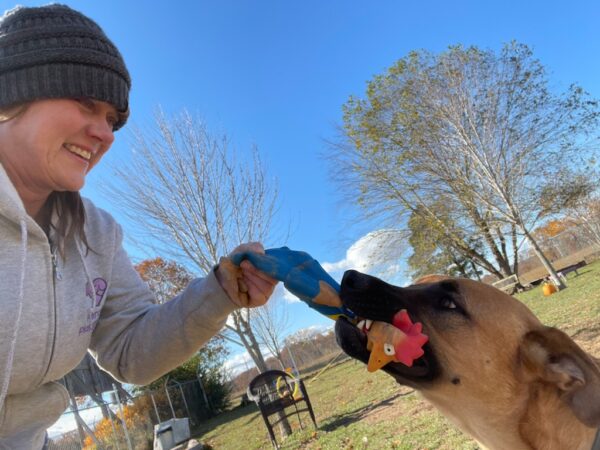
pixel 240 412
pixel 587 333
pixel 580 272
pixel 342 420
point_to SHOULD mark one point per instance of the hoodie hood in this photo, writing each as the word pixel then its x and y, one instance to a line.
pixel 11 206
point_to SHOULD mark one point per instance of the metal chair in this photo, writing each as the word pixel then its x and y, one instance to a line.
pixel 274 391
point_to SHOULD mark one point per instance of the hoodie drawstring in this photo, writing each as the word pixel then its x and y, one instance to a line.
pixel 13 342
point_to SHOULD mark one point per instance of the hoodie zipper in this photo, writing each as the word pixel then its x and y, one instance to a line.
pixel 56 276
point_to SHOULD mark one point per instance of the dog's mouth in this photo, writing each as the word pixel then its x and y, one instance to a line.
pixel 354 342
pixel 374 300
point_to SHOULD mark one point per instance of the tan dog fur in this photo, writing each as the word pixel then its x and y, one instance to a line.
pixel 507 380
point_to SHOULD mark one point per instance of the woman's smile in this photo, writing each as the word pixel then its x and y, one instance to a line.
pixel 82 153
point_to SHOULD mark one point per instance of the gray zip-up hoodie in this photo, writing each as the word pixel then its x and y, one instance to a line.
pixel 52 311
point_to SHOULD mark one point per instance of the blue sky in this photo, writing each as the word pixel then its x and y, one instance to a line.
pixel 275 74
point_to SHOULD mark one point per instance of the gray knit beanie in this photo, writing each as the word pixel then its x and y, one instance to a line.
pixel 55 52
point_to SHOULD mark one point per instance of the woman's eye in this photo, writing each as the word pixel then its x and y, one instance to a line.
pixel 87 103
pixel 448 303
pixel 112 121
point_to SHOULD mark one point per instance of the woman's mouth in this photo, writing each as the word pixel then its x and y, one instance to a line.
pixel 82 153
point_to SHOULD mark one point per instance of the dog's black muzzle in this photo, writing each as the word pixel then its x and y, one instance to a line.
pixel 371 298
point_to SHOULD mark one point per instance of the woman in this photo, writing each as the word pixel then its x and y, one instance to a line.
pixel 66 284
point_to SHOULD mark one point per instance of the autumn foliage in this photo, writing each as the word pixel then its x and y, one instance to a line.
pixel 553 228
pixel 111 433
pixel 165 278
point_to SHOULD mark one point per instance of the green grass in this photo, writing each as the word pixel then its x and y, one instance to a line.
pixel 576 308
pixel 353 414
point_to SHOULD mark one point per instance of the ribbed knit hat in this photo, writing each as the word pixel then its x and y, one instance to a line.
pixel 55 52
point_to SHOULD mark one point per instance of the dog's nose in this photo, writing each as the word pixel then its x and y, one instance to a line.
pixel 355 281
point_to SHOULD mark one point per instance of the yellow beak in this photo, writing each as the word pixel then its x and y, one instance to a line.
pixel 378 358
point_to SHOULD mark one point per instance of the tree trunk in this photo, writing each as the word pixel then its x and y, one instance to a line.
pixel 244 331
pixel 279 356
pixel 515 248
pixel 592 229
pixel 284 425
pixel 256 352
pixel 560 285
pixel 257 357
pixel 479 259
pixel 460 267
pixel 486 233
pixel 74 408
pixel 458 243
pixel 475 271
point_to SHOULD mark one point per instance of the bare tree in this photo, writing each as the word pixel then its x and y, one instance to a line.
pixel 587 215
pixel 577 198
pixel 591 221
pixel 271 324
pixel 475 128
pixel 190 196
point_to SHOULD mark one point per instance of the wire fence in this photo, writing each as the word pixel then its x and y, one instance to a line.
pixel 572 240
pixel 574 244
pixel 302 356
pixel 122 421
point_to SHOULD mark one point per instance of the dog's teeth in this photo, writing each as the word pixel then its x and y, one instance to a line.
pixel 360 325
pixel 368 324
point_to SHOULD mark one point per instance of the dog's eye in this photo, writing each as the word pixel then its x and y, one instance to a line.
pixel 388 349
pixel 448 303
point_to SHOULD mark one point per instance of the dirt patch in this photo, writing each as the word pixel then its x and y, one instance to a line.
pixel 394 407
pixel 589 340
pixel 587 334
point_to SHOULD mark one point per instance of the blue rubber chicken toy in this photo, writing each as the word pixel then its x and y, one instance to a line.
pixel 303 276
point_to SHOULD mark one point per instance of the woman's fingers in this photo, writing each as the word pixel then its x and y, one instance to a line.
pixel 252 287
pixel 249 268
pixel 260 286
pixel 255 247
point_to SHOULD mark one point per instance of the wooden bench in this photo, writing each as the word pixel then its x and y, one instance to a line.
pixel 572 268
pixel 507 284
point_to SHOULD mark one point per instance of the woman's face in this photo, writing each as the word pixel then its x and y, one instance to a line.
pixel 53 144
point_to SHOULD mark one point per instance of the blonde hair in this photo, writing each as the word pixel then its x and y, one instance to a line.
pixel 68 205
pixel 11 112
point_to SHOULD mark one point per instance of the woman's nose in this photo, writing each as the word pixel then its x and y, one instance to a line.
pixel 102 130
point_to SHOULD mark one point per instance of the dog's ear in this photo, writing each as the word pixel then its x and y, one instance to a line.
pixel 550 356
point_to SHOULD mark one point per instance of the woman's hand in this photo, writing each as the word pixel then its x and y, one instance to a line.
pixel 245 285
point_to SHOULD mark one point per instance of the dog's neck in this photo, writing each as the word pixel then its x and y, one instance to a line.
pixel 492 430
pixel 494 427
pixel 540 421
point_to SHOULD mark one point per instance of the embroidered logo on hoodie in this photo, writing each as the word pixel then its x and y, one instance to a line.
pixel 96 295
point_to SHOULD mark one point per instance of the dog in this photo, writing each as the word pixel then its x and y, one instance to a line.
pixel 490 365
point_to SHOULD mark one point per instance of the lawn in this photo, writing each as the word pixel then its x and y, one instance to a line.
pixel 351 414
